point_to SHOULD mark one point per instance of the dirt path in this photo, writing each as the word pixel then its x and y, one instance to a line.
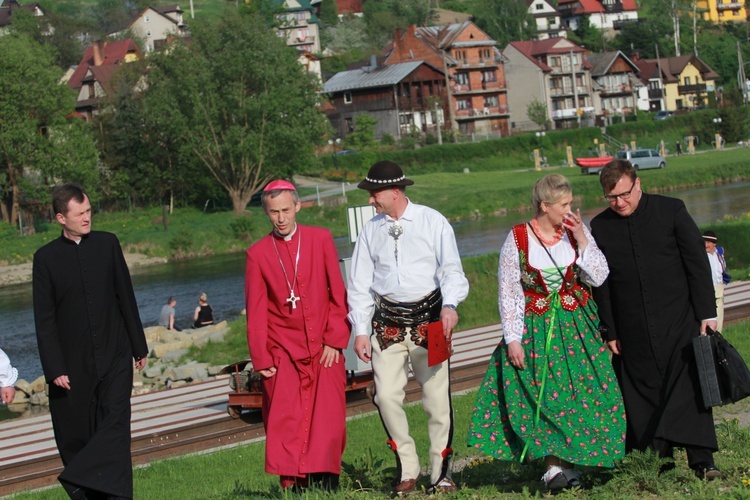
pixel 21 273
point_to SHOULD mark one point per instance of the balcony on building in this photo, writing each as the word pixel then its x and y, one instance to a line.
pixel 696 88
pixel 620 23
pixel 729 6
pixel 622 88
pixel 655 93
pixel 472 114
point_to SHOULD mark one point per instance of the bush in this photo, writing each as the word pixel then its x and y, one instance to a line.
pixel 387 139
pixel 182 242
pixel 242 228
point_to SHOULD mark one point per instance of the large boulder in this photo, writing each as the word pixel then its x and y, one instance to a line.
pixel 174 355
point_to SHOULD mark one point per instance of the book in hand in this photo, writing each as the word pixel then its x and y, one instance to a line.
pixel 438 347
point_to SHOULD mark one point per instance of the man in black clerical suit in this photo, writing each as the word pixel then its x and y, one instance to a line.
pixel 657 298
pixel 89 332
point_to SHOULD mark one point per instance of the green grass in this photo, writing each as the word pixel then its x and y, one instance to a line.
pixel 369 465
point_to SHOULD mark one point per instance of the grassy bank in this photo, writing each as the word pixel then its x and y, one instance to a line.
pixel 369 466
pixel 489 188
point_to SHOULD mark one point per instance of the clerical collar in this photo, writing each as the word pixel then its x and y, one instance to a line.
pixel 289 236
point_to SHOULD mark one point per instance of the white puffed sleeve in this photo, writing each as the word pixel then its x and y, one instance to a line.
pixel 8 374
pixel 593 264
pixel 510 298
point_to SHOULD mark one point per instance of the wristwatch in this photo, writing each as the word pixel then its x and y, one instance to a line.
pixel 450 306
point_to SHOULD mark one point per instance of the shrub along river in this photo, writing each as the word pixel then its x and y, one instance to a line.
pixel 222 277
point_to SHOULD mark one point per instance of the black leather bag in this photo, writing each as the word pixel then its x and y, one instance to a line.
pixel 724 375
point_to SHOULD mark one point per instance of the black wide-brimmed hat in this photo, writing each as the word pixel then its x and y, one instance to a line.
pixel 710 236
pixel 384 174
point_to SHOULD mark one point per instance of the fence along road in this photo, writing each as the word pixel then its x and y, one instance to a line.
pixel 194 418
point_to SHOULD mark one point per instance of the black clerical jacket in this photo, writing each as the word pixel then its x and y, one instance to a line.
pixel 658 290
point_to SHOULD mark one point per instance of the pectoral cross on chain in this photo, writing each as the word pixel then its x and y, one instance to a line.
pixel 396 230
pixel 292 299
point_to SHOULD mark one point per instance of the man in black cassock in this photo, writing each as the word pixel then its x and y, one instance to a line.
pixel 658 296
pixel 89 332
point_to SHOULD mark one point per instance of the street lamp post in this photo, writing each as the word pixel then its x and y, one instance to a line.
pixel 718 140
pixel 539 159
pixel 334 143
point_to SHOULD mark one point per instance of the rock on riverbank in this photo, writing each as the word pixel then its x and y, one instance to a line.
pixel 166 349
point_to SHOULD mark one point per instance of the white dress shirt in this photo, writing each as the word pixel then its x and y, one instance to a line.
pixel 716 268
pixel 511 301
pixel 427 259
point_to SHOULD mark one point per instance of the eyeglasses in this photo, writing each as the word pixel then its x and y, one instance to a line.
pixel 612 198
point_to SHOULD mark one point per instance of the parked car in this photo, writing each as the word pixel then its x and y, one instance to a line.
pixel 663 115
pixel 642 159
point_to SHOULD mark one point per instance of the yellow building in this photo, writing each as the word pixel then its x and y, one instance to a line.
pixel 674 83
pixel 720 11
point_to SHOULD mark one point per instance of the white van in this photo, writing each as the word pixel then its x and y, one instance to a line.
pixel 642 159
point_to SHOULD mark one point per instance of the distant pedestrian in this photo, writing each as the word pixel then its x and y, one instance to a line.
pixel 166 317
pixel 678 148
pixel 719 274
pixel 204 314
pixel 8 377
pixel 89 333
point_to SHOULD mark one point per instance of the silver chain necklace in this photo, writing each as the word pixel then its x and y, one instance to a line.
pixel 291 286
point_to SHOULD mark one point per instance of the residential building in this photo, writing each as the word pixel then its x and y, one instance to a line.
pixel 94 74
pixel 548 20
pixel 552 72
pixel 154 25
pixel 616 83
pixel 403 98
pixel 606 15
pixel 722 11
pixel 477 93
pixel 675 83
pixel 8 7
pixel 299 28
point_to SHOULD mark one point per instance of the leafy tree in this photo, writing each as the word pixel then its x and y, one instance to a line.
pixel 643 38
pixel 537 113
pixel 590 36
pixel 384 16
pixel 39 145
pixel 329 13
pixel 61 33
pixel 239 100
pixel 505 20
pixel 363 136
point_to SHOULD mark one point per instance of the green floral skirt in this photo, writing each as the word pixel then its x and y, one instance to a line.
pixel 580 417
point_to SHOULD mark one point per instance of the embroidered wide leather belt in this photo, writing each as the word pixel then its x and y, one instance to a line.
pixel 393 320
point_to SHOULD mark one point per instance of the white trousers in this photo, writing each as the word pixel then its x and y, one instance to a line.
pixel 719 294
pixel 390 369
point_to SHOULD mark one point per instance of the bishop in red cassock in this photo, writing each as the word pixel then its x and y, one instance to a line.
pixel 296 330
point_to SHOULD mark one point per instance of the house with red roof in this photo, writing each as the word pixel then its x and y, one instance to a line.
pixel 553 72
pixel 94 74
pixel 476 99
pixel 607 15
pixel 675 83
pixel 616 84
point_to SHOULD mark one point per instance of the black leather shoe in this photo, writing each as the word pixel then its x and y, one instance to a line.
pixel 708 472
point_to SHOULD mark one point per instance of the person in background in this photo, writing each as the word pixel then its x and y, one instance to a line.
pixel 550 391
pixel 204 314
pixel 719 274
pixel 296 331
pixel 405 274
pixel 657 298
pixel 89 333
pixel 8 377
pixel 166 317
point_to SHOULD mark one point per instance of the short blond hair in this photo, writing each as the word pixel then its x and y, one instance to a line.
pixel 203 298
pixel 549 189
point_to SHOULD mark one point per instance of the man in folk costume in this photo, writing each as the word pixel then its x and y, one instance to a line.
pixel 89 331
pixel 406 273
pixel 719 276
pixel 296 330
pixel 657 298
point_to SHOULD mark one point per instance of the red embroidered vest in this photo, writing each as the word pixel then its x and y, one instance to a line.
pixel 572 293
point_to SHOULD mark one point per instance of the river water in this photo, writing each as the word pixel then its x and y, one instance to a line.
pixel 222 277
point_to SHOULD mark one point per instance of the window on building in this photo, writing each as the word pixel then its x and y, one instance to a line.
pixel 489 75
pixel 539 6
pixel 551 21
pixel 463 103
pixel 148 33
pixel 461 78
pixel 491 101
pixel 349 124
pixel 347 97
pixel 460 55
pixel 485 54
pixel 687 80
pixel 146 19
